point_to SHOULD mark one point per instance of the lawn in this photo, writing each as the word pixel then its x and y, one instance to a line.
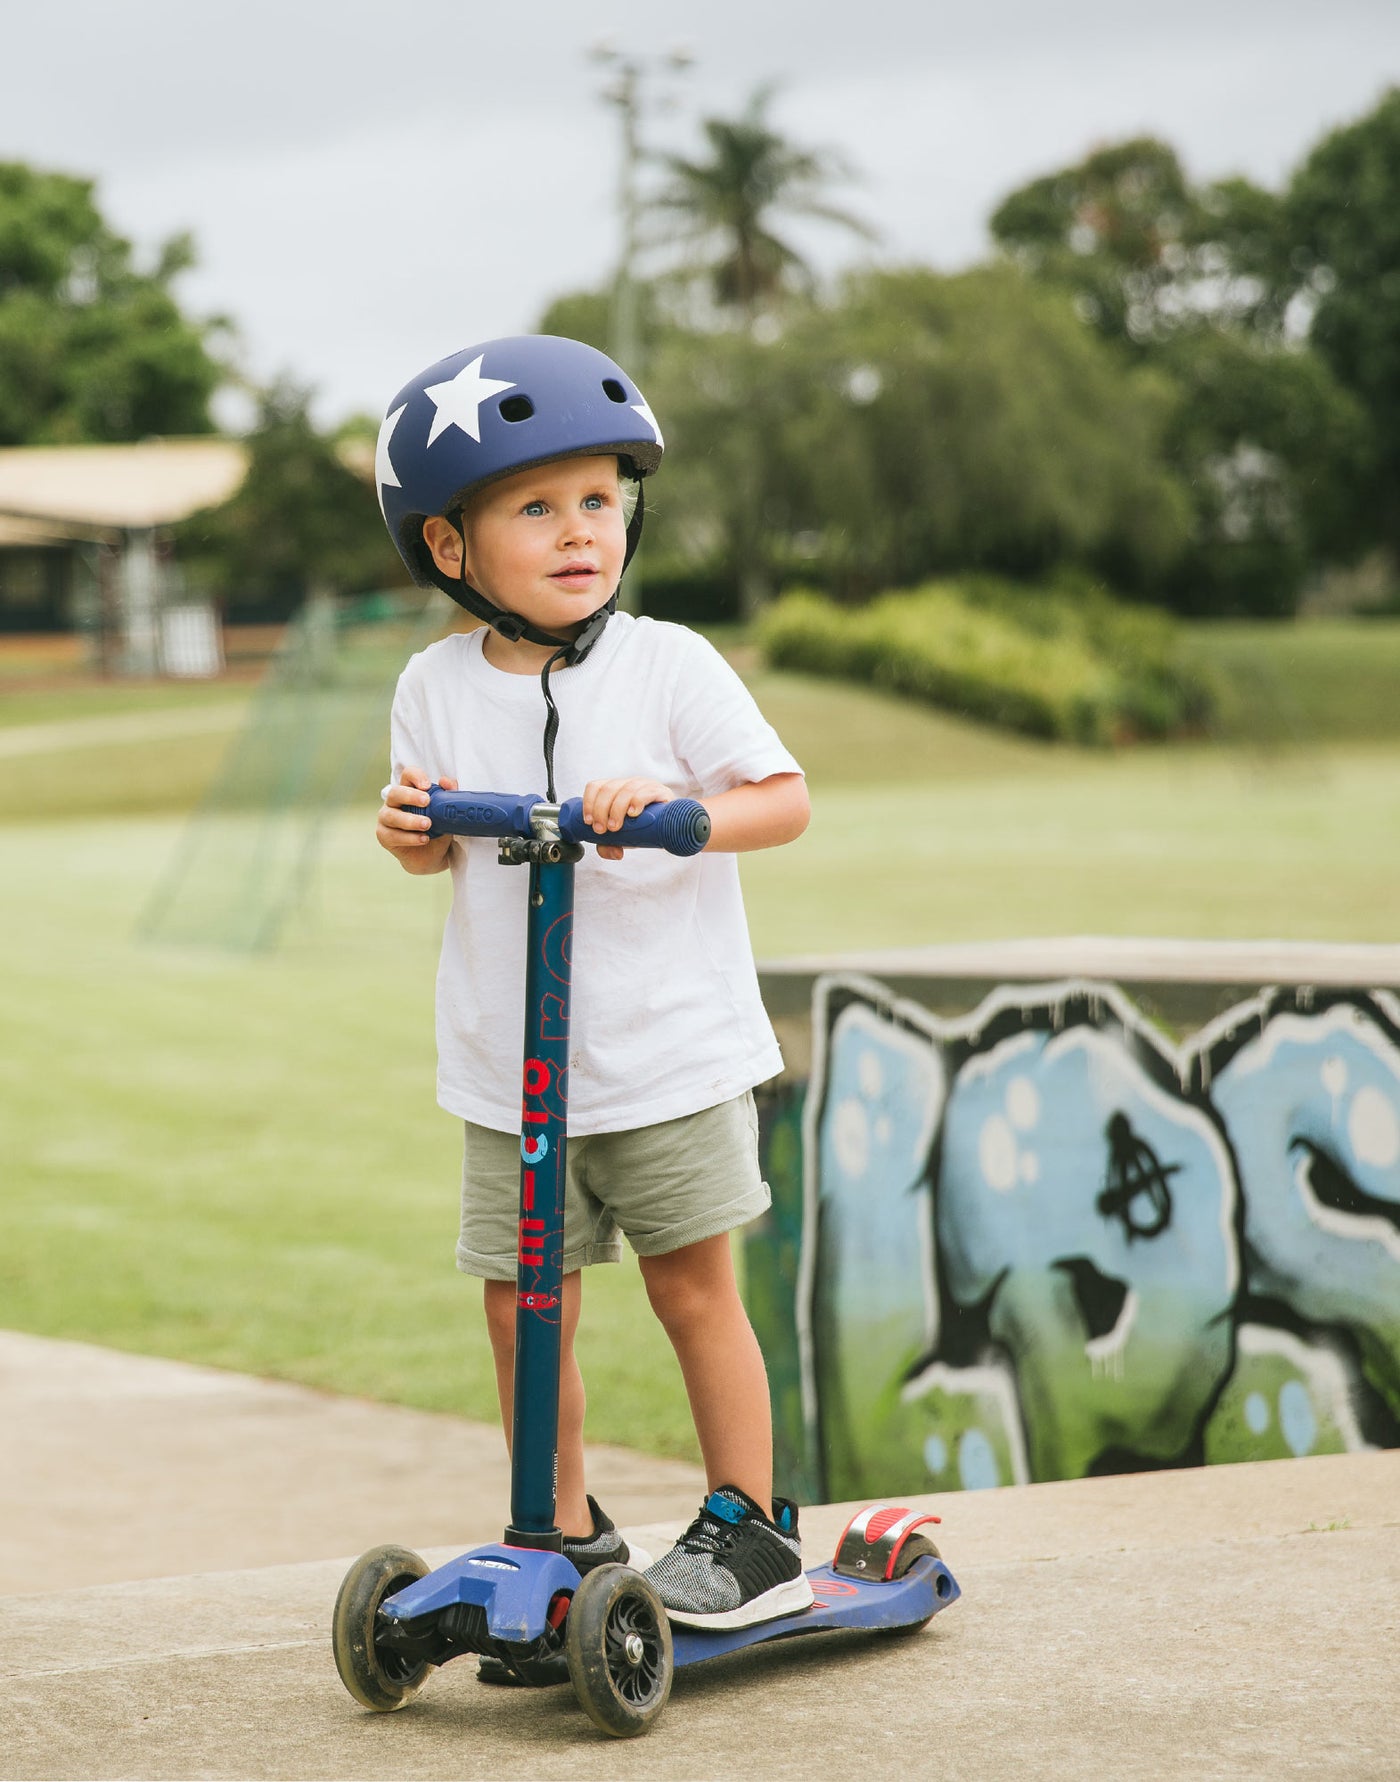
pixel 1326 680
pixel 237 1160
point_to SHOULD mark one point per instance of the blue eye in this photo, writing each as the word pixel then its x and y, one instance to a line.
pixel 533 508
pixel 593 501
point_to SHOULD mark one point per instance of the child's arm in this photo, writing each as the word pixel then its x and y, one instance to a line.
pixel 401 827
pixel 759 814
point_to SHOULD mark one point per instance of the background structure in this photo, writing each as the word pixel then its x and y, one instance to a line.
pixel 1040 1240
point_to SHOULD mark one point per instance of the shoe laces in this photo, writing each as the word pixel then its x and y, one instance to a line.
pixel 708 1533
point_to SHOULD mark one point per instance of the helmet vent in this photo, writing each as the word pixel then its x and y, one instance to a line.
pixel 517 408
pixel 614 390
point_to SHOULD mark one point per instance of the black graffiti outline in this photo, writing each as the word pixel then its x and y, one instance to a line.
pixel 1139 1172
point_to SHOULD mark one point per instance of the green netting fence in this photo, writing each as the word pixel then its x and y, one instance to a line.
pixel 315 742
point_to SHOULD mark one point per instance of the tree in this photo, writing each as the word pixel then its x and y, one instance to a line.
pixel 92 347
pixel 301 517
pixel 1144 251
pixel 1202 283
pixel 587 316
pixel 1273 451
pixel 1343 211
pixel 730 205
pixel 919 424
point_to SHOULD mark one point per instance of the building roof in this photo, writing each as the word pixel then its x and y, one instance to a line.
pixel 86 488
pixel 18 533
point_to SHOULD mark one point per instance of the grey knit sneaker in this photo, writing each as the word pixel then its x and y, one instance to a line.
pixel 605 1546
pixel 734 1566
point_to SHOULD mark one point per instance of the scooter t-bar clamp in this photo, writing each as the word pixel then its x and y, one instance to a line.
pixel 679 825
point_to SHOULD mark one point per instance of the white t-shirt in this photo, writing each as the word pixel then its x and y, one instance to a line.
pixel 667 1017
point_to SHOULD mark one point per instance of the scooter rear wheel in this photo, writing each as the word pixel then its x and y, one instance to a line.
pixel 377 1677
pixel 914 1548
pixel 617 1641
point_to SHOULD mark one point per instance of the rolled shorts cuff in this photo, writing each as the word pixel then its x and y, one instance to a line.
pixel 705 1225
pixel 504 1268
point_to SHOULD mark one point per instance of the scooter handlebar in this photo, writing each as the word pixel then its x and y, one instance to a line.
pixel 480 813
pixel 679 825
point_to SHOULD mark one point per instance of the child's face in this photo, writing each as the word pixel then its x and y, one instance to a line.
pixel 546 543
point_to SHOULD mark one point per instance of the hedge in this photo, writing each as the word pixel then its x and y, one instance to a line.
pixel 1065 661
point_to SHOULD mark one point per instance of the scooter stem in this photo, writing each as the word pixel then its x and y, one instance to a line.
pixel 540 1258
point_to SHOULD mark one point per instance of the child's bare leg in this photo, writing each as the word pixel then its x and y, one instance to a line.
pixel 694 1294
pixel 572 1511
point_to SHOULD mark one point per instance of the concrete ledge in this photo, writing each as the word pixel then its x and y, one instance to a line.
pixel 1230 1621
pixel 1116 957
pixel 1185 982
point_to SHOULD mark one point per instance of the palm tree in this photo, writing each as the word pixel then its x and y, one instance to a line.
pixel 729 199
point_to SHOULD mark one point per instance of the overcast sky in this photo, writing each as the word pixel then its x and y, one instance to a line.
pixel 373 186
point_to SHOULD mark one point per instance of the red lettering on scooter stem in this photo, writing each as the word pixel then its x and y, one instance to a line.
pixel 537 1076
pixel 532 1242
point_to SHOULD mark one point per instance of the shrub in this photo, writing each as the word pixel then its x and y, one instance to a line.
pixel 1064 662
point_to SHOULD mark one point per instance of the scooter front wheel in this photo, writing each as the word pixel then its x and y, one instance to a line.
pixel 377 1677
pixel 617 1641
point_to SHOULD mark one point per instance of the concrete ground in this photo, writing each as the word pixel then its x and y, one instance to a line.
pixel 117 1467
pixel 1227 1622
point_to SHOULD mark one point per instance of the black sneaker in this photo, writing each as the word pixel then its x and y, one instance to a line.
pixel 605 1546
pixel 734 1566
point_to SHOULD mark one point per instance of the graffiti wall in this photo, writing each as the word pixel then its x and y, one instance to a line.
pixel 1042 1241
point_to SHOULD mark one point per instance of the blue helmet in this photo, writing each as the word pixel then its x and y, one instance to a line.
pixel 489 411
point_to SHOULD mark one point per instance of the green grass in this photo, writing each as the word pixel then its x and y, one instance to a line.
pixel 239 1161
pixel 1198 844
pixel 1323 680
pixel 850 736
pixel 89 700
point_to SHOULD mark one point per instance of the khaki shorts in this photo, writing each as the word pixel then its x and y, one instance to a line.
pixel 662 1186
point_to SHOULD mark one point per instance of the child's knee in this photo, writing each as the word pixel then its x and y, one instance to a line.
pixel 682 1296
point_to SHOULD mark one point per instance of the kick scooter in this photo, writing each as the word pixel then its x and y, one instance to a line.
pixel 521 1601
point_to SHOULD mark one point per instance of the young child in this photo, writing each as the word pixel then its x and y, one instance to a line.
pixel 510 475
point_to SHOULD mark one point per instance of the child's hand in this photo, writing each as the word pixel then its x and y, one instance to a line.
pixel 402 826
pixel 607 802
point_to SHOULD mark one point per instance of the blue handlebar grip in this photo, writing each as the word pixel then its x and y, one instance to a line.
pixel 679 825
pixel 480 813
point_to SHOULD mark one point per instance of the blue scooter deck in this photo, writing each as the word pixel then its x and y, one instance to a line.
pixel 927 1587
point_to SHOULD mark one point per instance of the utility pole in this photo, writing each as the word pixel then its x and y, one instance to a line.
pixel 625 92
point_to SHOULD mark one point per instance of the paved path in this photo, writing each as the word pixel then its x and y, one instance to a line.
pixel 64 735
pixel 1228 1622
pixel 119 1467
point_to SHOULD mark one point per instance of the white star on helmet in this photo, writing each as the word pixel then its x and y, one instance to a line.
pixel 385 476
pixel 458 400
pixel 644 410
